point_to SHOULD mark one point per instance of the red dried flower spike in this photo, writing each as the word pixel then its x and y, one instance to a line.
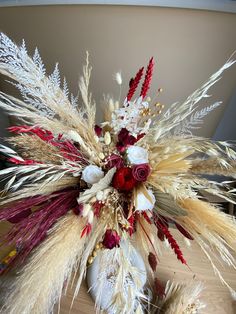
pixel 159 288
pixel 184 232
pixel 134 84
pixel 22 162
pixel 148 78
pixel 174 245
pixel 152 261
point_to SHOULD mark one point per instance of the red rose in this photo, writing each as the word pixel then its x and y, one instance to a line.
pixel 115 161
pixel 123 179
pixel 111 239
pixel 141 172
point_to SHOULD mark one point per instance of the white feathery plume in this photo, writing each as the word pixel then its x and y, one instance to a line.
pixel 118 78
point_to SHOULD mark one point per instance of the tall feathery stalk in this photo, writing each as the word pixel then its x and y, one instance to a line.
pixel 177 113
pixel 39 285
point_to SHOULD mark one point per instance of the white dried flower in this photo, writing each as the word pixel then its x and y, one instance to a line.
pixel 92 174
pixel 111 105
pixel 142 203
pixel 118 78
pixel 86 209
pixel 107 138
pixel 137 155
pixel 99 195
pixel 90 216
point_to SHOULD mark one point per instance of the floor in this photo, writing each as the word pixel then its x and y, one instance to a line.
pixel 216 296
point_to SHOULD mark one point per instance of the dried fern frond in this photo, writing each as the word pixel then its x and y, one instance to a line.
pixel 45 103
pixel 43 277
pixel 195 120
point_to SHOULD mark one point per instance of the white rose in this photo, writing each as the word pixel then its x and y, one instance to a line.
pixel 137 155
pixel 92 174
pixel 142 203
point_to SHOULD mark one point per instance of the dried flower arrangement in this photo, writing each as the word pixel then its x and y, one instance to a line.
pixel 76 189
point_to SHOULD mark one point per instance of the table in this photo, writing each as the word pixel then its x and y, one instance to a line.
pixel 216 295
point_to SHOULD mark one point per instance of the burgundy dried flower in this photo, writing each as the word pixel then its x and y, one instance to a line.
pixel 98 130
pixel 111 239
pixel 125 139
pixel 115 161
pixel 141 172
pixel 152 261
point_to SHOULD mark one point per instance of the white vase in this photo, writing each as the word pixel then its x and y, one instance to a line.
pixel 101 284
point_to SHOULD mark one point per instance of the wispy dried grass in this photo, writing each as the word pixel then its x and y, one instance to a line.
pixel 214 166
pixel 212 229
pixel 33 147
pixel 41 282
pixel 181 298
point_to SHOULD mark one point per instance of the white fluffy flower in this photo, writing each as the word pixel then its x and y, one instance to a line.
pixel 118 78
pixel 137 155
pixel 92 174
pixel 142 203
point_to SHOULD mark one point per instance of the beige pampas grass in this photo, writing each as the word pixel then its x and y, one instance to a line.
pixel 181 298
pixel 204 218
pixel 214 166
pixel 213 230
pixel 40 283
pixel 33 147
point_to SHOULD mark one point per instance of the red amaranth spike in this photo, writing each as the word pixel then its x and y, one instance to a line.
pixel 45 135
pixel 22 162
pixel 174 245
pixel 148 78
pixel 134 84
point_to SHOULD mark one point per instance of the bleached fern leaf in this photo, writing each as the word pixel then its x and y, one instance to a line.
pixel 55 77
pixel 38 90
pixel 195 120
pixel 65 87
pixel 38 61
pixel 74 100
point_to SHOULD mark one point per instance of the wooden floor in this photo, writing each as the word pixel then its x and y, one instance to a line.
pixel 216 296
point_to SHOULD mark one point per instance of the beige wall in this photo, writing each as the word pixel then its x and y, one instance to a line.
pixel 188 45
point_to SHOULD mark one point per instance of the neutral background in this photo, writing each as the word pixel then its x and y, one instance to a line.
pixel 188 46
